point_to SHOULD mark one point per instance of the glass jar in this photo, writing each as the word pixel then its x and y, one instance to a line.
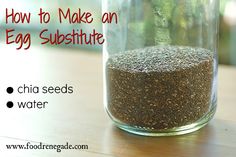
pixel 160 65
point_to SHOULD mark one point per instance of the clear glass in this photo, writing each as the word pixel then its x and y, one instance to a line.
pixel 160 65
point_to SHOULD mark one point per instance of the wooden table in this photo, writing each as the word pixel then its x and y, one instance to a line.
pixel 79 118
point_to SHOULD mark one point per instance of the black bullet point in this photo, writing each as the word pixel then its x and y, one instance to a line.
pixel 10 104
pixel 10 90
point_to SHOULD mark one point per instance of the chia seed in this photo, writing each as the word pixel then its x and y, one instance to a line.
pixel 160 87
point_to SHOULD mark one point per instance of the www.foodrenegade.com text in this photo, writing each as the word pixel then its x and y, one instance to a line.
pixel 42 146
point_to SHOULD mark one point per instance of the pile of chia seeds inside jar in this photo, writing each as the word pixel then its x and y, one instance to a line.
pixel 158 87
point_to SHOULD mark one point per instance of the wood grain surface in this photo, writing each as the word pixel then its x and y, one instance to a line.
pixel 79 118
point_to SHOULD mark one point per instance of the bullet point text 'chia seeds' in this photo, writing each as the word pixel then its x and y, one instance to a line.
pixel 160 87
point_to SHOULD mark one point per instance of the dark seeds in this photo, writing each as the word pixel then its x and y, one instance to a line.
pixel 160 87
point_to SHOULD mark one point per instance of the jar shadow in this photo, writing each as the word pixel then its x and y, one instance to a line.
pixel 200 143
